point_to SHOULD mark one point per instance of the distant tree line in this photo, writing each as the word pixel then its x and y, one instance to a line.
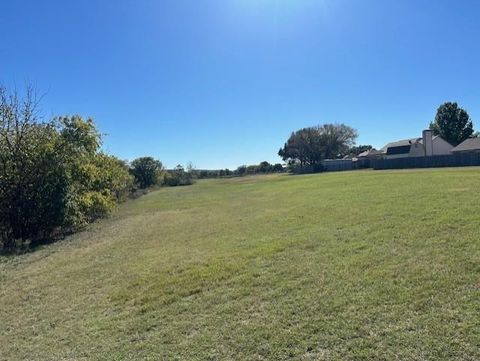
pixel 178 176
pixel 243 170
pixel 149 172
pixel 262 168
pixel 54 177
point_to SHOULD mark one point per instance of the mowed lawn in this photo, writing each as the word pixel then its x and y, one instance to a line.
pixel 342 266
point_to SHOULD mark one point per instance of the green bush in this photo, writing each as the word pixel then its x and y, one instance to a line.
pixel 146 171
pixel 53 177
pixel 178 177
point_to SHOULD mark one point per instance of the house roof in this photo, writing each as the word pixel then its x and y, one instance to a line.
pixel 401 143
pixel 470 144
pixel 369 153
pixel 404 142
pixel 403 146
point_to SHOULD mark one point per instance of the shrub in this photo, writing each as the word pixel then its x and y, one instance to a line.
pixel 146 171
pixel 178 177
pixel 241 170
pixel 52 176
pixel 277 168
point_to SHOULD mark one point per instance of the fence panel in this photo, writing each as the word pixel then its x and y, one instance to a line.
pixel 337 165
pixel 436 161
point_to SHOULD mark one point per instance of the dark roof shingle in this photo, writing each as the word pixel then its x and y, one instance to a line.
pixel 401 143
pixel 471 144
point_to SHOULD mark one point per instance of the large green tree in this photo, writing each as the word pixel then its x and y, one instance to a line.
pixel 309 146
pixel 452 123
pixel 146 171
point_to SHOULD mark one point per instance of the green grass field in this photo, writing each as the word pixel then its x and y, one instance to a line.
pixel 339 266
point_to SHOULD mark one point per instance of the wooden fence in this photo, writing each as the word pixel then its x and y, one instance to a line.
pixel 336 165
pixel 436 161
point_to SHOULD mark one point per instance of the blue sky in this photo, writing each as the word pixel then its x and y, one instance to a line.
pixel 223 83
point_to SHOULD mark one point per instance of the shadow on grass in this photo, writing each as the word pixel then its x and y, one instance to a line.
pixel 32 246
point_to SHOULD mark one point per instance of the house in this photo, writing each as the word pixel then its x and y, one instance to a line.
pixel 425 146
pixel 370 154
pixel 470 145
pixel 366 158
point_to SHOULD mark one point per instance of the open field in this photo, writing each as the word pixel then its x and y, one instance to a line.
pixel 357 265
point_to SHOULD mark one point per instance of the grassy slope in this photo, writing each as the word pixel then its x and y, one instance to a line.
pixel 358 265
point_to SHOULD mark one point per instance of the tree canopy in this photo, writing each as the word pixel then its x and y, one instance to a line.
pixel 357 149
pixel 309 146
pixel 146 171
pixel 452 123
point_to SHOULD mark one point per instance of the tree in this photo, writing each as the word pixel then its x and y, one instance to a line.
pixel 32 186
pixel 356 150
pixel 264 167
pixel 146 171
pixel 52 176
pixel 309 146
pixel 192 170
pixel 277 167
pixel 94 181
pixel 241 170
pixel 251 169
pixel 178 177
pixel 452 123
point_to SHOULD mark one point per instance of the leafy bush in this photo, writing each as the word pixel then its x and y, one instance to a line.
pixel 202 174
pixel 53 178
pixel 262 168
pixel 146 171
pixel 178 177
pixel 277 168
pixel 241 170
